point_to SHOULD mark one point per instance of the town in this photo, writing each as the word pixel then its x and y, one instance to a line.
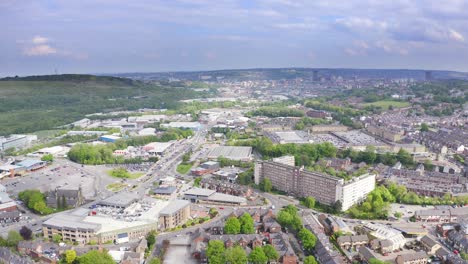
pixel 315 169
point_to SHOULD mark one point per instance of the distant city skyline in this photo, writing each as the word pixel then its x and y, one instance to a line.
pixel 100 36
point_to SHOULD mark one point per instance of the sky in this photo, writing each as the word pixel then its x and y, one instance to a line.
pixel 111 36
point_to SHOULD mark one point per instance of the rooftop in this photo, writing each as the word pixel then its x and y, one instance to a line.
pixel 231 152
pixel 199 192
pixel 174 206
pixel 120 200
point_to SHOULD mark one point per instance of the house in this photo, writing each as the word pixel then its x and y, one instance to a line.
pixel 412 258
pixel 430 245
pixel 348 242
pixel 365 254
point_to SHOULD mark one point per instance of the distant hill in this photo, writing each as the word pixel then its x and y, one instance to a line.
pixel 291 73
pixel 34 103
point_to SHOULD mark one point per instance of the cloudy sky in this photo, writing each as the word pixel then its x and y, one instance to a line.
pixel 95 36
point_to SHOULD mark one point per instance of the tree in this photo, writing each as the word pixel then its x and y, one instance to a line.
pixel 155 261
pixel 235 255
pixel 377 261
pixel 308 239
pixel 215 252
pixel 271 252
pixel 265 185
pixel 213 212
pixel 309 202
pixel 56 238
pixel 48 158
pixel 247 224
pixel 424 127
pixel 310 260
pixel 13 238
pixel 150 239
pixel 25 233
pixel 257 256
pixel 95 256
pixel 232 226
pixel 70 256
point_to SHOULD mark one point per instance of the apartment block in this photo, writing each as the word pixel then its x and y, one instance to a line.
pixel 175 214
pixel 324 188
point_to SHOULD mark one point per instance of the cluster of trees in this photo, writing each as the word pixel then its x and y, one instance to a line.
pixel 91 257
pixel 308 121
pixel 265 185
pixel 241 225
pixel 13 238
pixel 225 162
pixel 378 201
pixel 369 156
pixel 288 217
pixel 305 154
pixel 272 112
pixel 48 158
pixel 217 253
pixel 342 114
pixel 35 201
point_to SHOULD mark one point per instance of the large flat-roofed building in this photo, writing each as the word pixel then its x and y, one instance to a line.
pixel 183 125
pixel 231 152
pixel 71 228
pixel 120 200
pixel 196 195
pixel 106 224
pixel 324 188
pixel 297 181
pixel 174 214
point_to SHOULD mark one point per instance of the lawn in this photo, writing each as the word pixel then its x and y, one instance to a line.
pixel 385 104
pixel 122 173
pixel 183 168
pixel 116 186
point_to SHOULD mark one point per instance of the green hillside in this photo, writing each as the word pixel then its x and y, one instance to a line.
pixel 43 102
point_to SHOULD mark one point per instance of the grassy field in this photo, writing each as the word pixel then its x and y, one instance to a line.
pixel 385 104
pixel 116 186
pixel 183 168
pixel 120 174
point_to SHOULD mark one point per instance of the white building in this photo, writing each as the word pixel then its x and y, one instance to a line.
pixel 356 190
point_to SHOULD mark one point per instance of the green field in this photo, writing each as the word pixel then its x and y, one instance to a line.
pixel 385 104
pixel 183 168
pixel 121 173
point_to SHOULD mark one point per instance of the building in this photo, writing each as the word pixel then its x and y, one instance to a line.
pixel 16 142
pixel 8 170
pixel 200 195
pixel 157 148
pixel 328 128
pixel 412 258
pixel 348 242
pixel 206 168
pixel 31 164
pixel 445 215
pixel 383 233
pixel 231 152
pixel 175 214
pixel 109 138
pixel 65 197
pixel 183 125
pixel 356 190
pixel 430 245
pixel 324 188
pixel 164 191
pixel 385 132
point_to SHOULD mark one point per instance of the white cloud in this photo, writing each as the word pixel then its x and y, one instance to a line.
pixel 40 40
pixel 39 50
pixel 456 35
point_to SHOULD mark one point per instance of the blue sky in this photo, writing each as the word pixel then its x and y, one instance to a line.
pixel 95 36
